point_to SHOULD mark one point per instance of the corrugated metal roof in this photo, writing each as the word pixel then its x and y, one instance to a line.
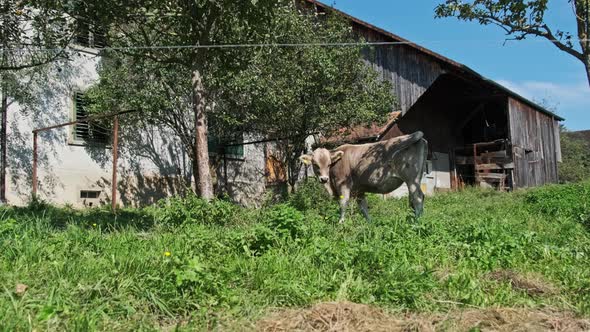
pixel 461 68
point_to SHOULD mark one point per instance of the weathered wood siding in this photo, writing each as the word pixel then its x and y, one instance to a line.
pixel 411 71
pixel 535 141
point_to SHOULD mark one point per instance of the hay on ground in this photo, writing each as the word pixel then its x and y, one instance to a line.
pixel 345 317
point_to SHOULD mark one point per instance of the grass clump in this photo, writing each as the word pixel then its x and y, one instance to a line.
pixel 200 265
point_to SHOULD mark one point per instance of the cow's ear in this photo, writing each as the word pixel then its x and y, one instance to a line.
pixel 306 159
pixel 335 156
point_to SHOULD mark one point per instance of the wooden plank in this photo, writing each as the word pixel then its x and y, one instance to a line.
pixel 491 167
pixel 462 160
pixel 490 176
pixel 494 154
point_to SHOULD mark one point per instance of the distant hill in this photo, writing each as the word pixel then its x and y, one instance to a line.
pixel 583 135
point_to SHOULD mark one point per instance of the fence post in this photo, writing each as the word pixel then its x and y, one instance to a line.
pixel 115 159
pixel 35 152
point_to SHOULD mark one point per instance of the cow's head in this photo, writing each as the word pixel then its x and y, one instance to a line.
pixel 322 160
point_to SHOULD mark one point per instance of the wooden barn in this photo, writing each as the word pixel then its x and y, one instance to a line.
pixel 479 132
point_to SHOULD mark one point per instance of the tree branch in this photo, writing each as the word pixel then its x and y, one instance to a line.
pixel 539 31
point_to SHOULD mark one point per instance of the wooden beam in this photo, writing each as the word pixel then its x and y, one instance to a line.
pixel 470 117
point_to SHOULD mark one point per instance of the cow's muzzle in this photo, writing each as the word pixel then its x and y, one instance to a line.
pixel 324 179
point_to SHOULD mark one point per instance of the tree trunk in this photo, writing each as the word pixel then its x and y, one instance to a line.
pixel 294 163
pixel 201 170
pixel 587 64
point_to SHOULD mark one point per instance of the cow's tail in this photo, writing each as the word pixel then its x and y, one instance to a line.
pixel 406 141
pixel 425 169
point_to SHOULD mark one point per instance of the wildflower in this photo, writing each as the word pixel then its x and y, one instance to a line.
pixel 167 254
pixel 93 225
pixel 341 196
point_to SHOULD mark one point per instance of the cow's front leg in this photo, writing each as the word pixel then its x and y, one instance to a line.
pixel 364 206
pixel 344 198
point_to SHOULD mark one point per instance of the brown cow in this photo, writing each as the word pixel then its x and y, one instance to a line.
pixel 382 167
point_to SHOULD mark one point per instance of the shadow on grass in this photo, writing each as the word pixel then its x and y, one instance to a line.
pixel 60 217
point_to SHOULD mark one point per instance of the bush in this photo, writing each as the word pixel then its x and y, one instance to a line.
pixel 569 201
pixel 285 220
pixel 310 195
pixel 576 158
pixel 192 209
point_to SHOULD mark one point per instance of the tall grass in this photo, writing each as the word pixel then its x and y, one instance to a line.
pixel 197 264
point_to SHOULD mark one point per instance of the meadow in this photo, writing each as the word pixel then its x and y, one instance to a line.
pixel 184 264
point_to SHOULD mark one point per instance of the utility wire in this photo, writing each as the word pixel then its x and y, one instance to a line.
pixel 260 45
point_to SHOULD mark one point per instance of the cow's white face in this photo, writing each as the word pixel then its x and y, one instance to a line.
pixel 322 160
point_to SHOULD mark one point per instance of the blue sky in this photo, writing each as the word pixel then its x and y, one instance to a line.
pixel 533 68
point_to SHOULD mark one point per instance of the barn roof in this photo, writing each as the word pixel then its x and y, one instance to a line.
pixel 454 65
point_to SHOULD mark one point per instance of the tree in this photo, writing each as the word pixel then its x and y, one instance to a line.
pixel 575 153
pixel 33 33
pixel 277 92
pixel 292 92
pixel 177 34
pixel 523 18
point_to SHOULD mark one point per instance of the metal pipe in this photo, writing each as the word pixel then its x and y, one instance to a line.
pixel 86 119
pixel 115 159
pixel 4 143
pixel 89 118
pixel 226 182
pixel 35 164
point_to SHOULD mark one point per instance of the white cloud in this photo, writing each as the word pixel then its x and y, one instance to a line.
pixel 565 97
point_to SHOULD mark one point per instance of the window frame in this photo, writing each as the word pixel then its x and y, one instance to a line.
pixel 87 32
pixel 217 143
pixel 73 138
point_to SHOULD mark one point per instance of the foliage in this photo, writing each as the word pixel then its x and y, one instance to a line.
pixel 277 92
pixel 575 154
pixel 572 201
pixel 310 195
pixel 523 18
pixel 285 220
pixel 292 92
pixel 175 35
pixel 192 209
pixel 33 33
pixel 93 270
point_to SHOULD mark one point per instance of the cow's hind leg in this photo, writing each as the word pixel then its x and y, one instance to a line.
pixel 416 198
pixel 364 206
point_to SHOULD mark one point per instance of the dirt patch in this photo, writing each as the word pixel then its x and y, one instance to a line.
pixel 531 284
pixel 344 317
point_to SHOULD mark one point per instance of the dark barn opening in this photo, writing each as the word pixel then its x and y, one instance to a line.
pixel 466 123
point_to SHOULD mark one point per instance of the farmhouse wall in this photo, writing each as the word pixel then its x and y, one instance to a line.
pixel 151 163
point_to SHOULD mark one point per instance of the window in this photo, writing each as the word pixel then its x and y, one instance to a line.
pixel 90 194
pixel 217 145
pixel 86 132
pixel 89 33
pixel 229 142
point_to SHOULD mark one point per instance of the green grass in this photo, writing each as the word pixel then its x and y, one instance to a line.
pixel 90 270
